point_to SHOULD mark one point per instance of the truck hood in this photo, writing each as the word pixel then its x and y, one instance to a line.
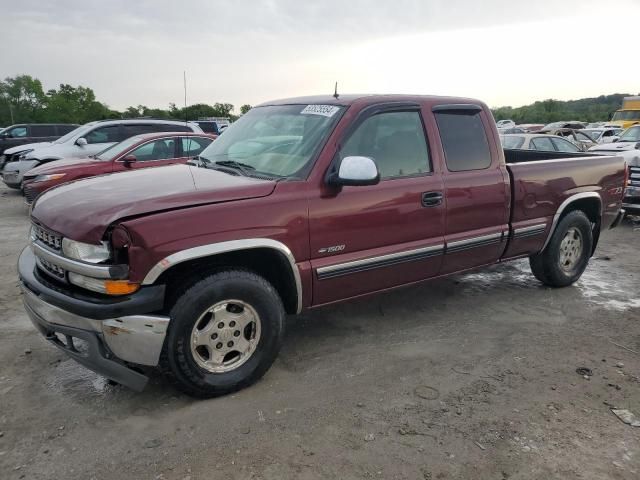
pixel 67 165
pixel 83 210
pixel 26 146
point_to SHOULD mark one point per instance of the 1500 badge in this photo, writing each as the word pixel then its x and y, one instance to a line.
pixel 334 249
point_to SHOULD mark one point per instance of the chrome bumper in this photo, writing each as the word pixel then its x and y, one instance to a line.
pixel 136 339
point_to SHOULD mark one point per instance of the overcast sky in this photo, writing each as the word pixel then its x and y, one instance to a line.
pixel 505 52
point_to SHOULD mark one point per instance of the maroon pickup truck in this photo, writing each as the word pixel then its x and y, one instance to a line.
pixel 301 203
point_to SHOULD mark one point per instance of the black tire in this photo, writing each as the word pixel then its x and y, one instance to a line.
pixel 178 362
pixel 547 266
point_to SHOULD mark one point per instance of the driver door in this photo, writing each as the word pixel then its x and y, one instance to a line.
pixel 368 238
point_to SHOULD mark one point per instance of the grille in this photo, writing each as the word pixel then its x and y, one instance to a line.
pixel 29 195
pixel 634 176
pixel 50 239
pixel 52 269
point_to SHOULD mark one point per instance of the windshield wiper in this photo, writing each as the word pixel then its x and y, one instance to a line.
pixel 234 164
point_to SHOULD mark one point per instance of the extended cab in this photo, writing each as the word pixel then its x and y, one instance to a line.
pixel 301 203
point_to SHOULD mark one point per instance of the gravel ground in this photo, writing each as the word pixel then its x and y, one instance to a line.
pixel 473 376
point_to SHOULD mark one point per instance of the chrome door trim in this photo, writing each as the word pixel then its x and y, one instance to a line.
pixel 564 205
pixel 224 247
pixel 530 231
pixel 380 261
pixel 473 242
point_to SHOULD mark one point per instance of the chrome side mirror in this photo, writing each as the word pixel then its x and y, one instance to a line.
pixel 356 171
pixel 81 142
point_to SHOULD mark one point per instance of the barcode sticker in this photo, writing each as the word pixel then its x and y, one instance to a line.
pixel 324 110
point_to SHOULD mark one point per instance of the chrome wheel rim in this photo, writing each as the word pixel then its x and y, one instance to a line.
pixel 225 336
pixel 571 249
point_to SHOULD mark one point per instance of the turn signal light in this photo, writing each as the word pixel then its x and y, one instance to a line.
pixel 120 287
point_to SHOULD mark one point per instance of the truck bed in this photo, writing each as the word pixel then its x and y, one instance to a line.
pixel 542 181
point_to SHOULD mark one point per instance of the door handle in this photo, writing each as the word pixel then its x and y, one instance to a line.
pixel 431 199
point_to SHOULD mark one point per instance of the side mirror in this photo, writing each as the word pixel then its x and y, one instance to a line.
pixel 6 135
pixel 356 171
pixel 129 159
pixel 615 139
pixel 81 142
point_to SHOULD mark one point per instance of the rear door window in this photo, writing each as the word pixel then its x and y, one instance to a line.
pixel 464 140
pixel 543 144
pixel 192 146
pixel 563 145
pixel 64 129
pixel 43 131
pixel 173 128
pixel 139 129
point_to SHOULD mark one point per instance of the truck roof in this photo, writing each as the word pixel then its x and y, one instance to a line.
pixel 349 99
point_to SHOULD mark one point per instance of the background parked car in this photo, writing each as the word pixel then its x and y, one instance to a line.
pixel 583 141
pixel 557 125
pixel 84 141
pixel 603 135
pixel 538 141
pixel 22 133
pixel 140 151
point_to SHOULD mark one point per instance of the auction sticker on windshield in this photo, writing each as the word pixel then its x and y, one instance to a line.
pixel 324 110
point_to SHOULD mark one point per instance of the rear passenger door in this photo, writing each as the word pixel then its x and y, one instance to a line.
pixel 476 188
pixel 368 238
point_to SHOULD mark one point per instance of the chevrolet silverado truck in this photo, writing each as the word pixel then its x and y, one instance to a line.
pixel 301 203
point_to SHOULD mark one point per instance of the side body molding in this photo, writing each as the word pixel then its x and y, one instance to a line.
pixel 224 247
pixel 564 205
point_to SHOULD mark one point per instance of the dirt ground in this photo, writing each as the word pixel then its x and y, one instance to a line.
pixel 471 377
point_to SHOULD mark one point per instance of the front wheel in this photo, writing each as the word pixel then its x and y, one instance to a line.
pixel 225 333
pixel 567 254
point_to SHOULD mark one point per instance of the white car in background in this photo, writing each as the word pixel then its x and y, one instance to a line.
pixel 84 141
pixel 603 134
pixel 505 124
pixel 535 141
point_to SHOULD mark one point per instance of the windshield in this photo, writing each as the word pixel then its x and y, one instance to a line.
pixel 630 135
pixel 513 141
pixel 593 134
pixel 73 133
pixel 277 140
pixel 114 150
pixel 626 115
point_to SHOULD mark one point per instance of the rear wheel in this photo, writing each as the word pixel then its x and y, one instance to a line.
pixel 567 254
pixel 225 333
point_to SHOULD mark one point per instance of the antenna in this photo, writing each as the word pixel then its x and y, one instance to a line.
pixel 184 77
pixel 335 92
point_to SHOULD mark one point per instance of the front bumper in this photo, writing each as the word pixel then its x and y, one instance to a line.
pixel 109 344
pixel 11 179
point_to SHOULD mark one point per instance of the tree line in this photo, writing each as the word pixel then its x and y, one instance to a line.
pixel 24 100
pixel 586 109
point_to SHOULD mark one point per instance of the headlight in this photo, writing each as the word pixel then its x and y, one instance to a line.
pixel 24 153
pixel 85 252
pixel 51 176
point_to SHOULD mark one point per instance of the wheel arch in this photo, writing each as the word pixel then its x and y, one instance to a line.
pixel 267 257
pixel 588 202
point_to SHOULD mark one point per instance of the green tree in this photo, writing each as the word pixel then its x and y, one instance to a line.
pixel 245 108
pixel 22 99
